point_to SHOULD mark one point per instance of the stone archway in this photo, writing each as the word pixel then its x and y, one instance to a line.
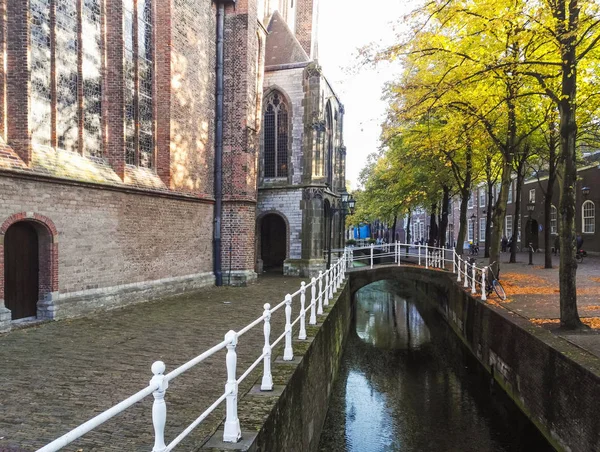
pixel 273 242
pixel 28 265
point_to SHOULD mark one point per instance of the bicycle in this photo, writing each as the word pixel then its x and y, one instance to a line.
pixel 493 285
pixel 579 254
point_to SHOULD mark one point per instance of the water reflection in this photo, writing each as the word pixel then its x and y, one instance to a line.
pixel 406 384
pixel 386 320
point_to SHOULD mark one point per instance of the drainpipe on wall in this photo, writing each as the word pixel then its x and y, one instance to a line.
pixel 218 147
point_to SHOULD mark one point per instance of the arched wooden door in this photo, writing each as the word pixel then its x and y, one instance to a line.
pixel 21 270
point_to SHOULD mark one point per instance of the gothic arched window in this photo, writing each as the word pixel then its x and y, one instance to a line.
pixel 276 136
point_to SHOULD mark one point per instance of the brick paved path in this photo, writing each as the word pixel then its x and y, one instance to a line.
pixel 57 375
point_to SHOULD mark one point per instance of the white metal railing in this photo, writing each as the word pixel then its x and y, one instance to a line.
pixel 321 290
pixel 467 272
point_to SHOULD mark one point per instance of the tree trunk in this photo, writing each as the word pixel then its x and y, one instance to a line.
pixel 517 219
pixel 506 177
pixel 488 218
pixel 569 317
pixel 462 230
pixel 498 216
pixel 408 237
pixel 549 194
pixel 444 219
pixel 433 229
pixel 392 239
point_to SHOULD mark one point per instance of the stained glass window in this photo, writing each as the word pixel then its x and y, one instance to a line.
pixel 139 72
pixel 67 77
pixel 276 137
pixel 77 56
pixel 91 36
pixel 39 18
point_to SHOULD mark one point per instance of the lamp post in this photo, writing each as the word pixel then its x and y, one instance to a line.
pixel 585 191
pixel 530 209
pixel 348 203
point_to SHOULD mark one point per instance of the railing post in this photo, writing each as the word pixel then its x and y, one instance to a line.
pixel 372 255
pixel 231 432
pixel 396 251
pixel 288 352
pixel 474 270
pixel 336 269
pixel 483 288
pixel 456 262
pixel 326 297
pixel 320 307
pixel 466 284
pixel 419 249
pixel 426 256
pixel 313 302
pixel 267 379
pixel 159 407
pixel 302 334
pixel 331 283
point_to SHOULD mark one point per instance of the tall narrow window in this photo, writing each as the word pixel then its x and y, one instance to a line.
pixel 67 76
pixel 482 229
pixel 139 73
pixel 510 193
pixel 509 226
pixel 275 138
pixel 589 217
pixel 329 143
pixel 532 196
pixel 553 220
pixel 482 196
pixel 91 39
pixel 471 230
pixel 40 78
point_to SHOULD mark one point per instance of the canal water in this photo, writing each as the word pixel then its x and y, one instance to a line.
pixel 407 383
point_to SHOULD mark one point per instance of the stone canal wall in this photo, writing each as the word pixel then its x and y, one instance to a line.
pixel 291 417
pixel 556 384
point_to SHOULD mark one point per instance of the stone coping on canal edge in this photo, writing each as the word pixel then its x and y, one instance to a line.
pixel 291 417
pixel 555 383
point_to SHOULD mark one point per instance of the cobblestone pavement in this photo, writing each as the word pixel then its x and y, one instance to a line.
pixel 57 375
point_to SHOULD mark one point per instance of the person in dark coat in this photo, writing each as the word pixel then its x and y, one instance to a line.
pixel 504 244
pixel 556 245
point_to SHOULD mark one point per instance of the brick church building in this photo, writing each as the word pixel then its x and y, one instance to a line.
pixel 151 147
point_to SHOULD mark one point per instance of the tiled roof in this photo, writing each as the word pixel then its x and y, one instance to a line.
pixel 282 47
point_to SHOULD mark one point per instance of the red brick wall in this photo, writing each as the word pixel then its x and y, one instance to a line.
pixel 240 146
pixel 192 85
pixel 108 238
pixel 304 22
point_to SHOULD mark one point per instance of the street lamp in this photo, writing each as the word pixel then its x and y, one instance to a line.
pixel 348 203
pixel 585 191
